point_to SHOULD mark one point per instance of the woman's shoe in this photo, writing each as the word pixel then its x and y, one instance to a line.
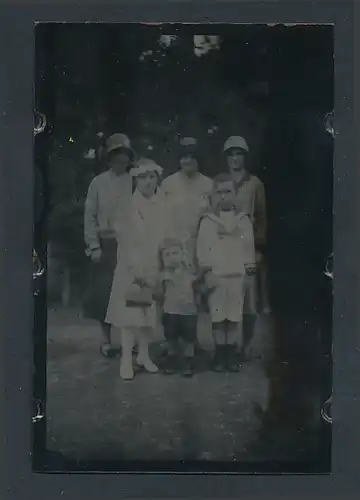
pixel 187 369
pixel 107 351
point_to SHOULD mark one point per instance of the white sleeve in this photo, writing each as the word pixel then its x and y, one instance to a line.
pixel 205 244
pixel 90 217
pixel 136 257
pixel 248 241
pixel 165 219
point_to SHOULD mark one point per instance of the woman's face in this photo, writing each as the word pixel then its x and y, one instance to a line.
pixel 147 183
pixel 236 160
pixel 119 162
pixel 189 165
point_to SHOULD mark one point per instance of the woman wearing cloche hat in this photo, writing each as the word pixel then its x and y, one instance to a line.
pixel 250 198
pixel 186 197
pixel 109 193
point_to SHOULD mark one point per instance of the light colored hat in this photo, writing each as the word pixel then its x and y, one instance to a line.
pixel 145 165
pixel 237 142
pixel 118 141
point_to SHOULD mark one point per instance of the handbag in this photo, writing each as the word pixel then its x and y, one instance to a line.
pixel 137 296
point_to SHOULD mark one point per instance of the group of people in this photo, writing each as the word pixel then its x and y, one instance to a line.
pixel 166 250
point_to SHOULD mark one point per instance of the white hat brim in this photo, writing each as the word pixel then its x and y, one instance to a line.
pixel 143 169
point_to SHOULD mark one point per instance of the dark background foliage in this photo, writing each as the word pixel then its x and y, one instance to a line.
pixel 271 84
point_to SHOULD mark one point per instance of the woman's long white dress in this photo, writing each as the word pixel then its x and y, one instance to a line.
pixel 139 234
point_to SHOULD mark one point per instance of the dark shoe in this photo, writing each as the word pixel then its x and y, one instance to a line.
pixel 170 365
pixel 199 351
pixel 243 355
pixel 187 369
pixel 232 362
pixel 219 359
pixel 108 351
pixel 163 350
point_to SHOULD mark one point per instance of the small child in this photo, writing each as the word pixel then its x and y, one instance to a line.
pixel 226 254
pixel 179 307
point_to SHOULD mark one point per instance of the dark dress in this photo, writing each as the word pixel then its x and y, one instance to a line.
pixel 100 278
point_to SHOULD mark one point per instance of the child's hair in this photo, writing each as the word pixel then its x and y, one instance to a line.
pixel 221 178
pixel 169 243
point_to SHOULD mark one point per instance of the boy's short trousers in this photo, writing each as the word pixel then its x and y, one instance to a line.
pixel 180 326
pixel 226 301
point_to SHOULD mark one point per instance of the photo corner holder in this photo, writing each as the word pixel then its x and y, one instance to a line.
pixel 39 122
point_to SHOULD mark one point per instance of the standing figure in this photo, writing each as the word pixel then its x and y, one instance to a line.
pixel 132 307
pixel 250 198
pixel 179 281
pixel 109 193
pixel 186 198
pixel 226 255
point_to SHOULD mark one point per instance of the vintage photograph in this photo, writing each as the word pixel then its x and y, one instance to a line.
pixel 184 183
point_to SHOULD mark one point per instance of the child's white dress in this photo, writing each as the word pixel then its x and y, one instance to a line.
pixel 139 234
pixel 225 244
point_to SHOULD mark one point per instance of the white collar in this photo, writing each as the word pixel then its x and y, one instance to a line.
pixel 227 214
pixel 216 218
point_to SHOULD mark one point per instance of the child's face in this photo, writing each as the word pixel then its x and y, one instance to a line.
pixel 147 183
pixel 224 196
pixel 172 257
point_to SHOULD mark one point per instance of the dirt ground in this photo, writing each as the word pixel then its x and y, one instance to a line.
pixel 93 415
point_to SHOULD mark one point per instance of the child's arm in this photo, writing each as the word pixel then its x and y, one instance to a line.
pixel 159 289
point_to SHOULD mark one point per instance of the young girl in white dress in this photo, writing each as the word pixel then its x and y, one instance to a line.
pixel 139 234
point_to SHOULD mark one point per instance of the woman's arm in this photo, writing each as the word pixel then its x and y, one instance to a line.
pixel 90 218
pixel 248 241
pixel 260 217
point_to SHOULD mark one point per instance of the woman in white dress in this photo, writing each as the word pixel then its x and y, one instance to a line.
pixel 139 234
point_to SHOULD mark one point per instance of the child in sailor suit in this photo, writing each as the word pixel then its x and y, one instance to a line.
pixel 226 254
